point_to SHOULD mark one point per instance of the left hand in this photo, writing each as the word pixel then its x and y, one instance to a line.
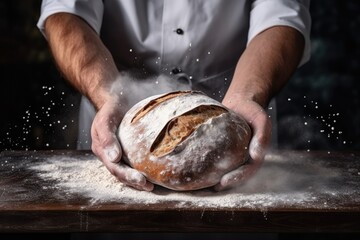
pixel 265 66
pixel 260 124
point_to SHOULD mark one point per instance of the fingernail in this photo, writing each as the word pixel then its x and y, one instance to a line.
pixel 112 153
pixel 148 187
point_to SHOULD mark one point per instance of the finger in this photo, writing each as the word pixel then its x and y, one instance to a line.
pixel 127 175
pixel 132 177
pixel 238 176
pixel 147 187
pixel 104 141
pixel 109 152
pixel 261 127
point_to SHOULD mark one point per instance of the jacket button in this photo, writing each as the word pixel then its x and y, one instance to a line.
pixel 176 71
pixel 179 31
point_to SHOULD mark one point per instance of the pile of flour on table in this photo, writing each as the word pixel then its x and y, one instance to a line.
pixel 90 179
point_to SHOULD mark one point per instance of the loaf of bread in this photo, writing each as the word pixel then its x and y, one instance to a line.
pixel 183 140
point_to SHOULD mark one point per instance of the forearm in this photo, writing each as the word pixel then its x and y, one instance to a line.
pixel 81 56
pixel 266 65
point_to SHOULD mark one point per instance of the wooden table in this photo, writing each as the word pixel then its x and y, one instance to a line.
pixel 298 192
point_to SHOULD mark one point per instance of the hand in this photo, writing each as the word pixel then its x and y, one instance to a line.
pixel 265 66
pixel 89 66
pixel 107 147
pixel 260 125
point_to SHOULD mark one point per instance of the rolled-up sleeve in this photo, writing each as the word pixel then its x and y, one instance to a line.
pixel 89 10
pixel 293 13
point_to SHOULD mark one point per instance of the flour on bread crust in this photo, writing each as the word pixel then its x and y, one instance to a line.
pixel 214 148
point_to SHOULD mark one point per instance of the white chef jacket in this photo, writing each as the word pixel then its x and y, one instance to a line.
pixel 200 41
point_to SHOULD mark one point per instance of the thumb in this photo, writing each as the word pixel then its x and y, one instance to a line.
pixel 105 145
pixel 261 127
pixel 103 133
pixel 112 152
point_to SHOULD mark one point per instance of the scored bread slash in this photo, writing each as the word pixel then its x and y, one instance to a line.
pixel 179 128
pixel 183 140
pixel 153 103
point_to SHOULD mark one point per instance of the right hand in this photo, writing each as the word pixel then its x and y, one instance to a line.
pixel 86 62
pixel 106 146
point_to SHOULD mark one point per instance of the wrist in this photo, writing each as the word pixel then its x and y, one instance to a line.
pixel 110 95
pixel 98 94
pixel 253 89
pixel 102 87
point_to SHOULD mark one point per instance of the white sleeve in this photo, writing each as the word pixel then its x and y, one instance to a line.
pixel 89 10
pixel 293 13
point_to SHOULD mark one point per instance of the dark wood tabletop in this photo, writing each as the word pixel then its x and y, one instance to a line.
pixel 47 191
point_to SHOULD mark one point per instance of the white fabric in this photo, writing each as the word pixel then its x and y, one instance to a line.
pixel 292 13
pixel 90 10
pixel 142 34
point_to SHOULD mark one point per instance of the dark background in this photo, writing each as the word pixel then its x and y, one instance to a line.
pixel 319 109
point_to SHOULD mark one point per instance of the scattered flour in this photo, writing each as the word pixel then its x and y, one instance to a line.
pixel 91 180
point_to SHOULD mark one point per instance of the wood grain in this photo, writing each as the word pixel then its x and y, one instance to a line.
pixel 26 206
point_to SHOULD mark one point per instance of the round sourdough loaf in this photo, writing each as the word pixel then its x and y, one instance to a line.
pixel 183 140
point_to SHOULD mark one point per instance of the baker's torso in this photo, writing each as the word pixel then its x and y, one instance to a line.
pixel 199 40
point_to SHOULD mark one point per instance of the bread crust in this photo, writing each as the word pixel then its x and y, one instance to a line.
pixel 208 141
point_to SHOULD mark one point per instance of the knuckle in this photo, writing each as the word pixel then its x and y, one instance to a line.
pixel 103 139
pixel 106 140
